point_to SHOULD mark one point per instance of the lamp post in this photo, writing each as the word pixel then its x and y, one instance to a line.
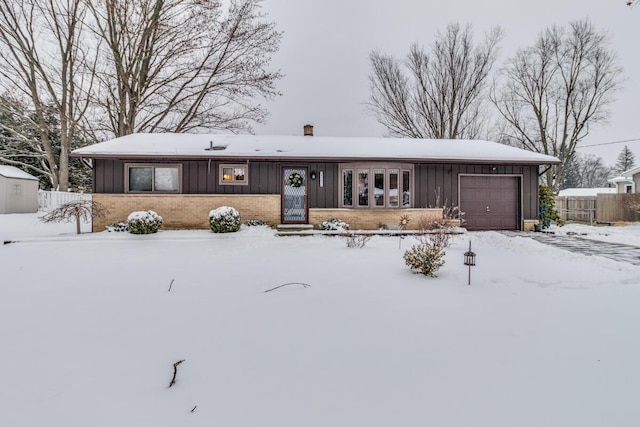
pixel 470 260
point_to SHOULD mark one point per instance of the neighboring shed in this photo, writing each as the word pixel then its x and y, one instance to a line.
pixel 18 191
pixel 366 182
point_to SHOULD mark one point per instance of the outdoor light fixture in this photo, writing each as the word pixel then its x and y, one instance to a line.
pixel 313 175
pixel 470 260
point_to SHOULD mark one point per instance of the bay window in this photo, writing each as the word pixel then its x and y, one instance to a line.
pixel 376 186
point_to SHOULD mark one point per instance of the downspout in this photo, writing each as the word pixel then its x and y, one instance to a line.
pixel 87 162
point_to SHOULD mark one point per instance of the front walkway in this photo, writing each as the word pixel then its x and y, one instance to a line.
pixel 615 251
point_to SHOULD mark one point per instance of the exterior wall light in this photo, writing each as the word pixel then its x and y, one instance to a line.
pixel 313 175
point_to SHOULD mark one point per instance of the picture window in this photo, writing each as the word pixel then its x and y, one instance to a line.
pixel 153 178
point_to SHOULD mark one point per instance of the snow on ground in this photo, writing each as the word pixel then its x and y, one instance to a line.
pixel 20 226
pixel 542 337
pixel 625 234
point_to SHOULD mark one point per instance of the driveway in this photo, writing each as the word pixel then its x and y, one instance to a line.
pixel 581 245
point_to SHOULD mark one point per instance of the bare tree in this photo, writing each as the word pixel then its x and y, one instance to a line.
pixel 46 66
pixel 553 91
pixel 436 94
pixel 585 171
pixel 593 171
pixel 179 65
pixel 78 211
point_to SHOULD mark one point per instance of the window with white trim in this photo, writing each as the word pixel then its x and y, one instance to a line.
pixel 233 174
pixel 376 185
pixel 152 178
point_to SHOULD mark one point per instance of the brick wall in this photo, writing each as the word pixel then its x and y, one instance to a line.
pixel 529 224
pixel 186 211
pixel 371 219
pixel 192 211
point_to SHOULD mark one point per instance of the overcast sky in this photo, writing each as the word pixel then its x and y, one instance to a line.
pixel 326 44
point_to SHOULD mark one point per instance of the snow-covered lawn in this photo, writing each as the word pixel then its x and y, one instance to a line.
pixel 89 332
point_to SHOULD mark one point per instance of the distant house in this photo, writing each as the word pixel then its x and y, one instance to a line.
pixel 628 182
pixel 18 191
pixel 307 179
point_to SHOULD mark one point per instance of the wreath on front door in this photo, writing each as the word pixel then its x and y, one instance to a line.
pixel 296 180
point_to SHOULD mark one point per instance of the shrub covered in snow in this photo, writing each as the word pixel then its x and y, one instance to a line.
pixel 255 223
pixel 225 219
pixel 117 226
pixel 143 222
pixel 334 224
pixel 425 258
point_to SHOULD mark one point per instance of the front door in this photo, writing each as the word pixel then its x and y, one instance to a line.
pixel 294 195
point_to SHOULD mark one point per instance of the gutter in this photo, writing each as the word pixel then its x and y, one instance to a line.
pixel 313 159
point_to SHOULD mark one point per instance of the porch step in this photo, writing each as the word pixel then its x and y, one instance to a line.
pixel 294 229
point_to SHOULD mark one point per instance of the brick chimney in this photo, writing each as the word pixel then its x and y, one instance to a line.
pixel 308 130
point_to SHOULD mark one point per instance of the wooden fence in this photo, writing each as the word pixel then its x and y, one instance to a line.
pixel 612 208
pixel 603 208
pixel 48 200
pixel 577 208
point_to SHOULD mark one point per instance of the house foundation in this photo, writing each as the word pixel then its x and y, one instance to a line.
pixel 187 211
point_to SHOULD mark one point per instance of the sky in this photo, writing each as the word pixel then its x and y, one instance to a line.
pixel 326 44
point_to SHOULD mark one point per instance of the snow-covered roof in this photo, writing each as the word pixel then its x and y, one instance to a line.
pixel 14 172
pixel 619 179
pixel 626 176
pixel 263 147
pixel 630 173
pixel 584 192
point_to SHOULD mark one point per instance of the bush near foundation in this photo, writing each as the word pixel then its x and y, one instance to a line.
pixel 334 224
pixel 224 219
pixel 143 222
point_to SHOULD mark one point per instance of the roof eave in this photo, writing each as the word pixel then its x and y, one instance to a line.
pixel 124 156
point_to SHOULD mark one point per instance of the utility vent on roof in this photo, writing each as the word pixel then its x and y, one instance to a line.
pixel 215 147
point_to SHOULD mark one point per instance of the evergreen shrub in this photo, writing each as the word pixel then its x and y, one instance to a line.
pixel 143 222
pixel 334 224
pixel 224 219
pixel 425 258
pixel 547 203
pixel 119 226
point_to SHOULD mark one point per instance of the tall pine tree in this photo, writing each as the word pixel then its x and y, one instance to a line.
pixel 626 160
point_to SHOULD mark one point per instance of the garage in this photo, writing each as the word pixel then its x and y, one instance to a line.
pixel 490 202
